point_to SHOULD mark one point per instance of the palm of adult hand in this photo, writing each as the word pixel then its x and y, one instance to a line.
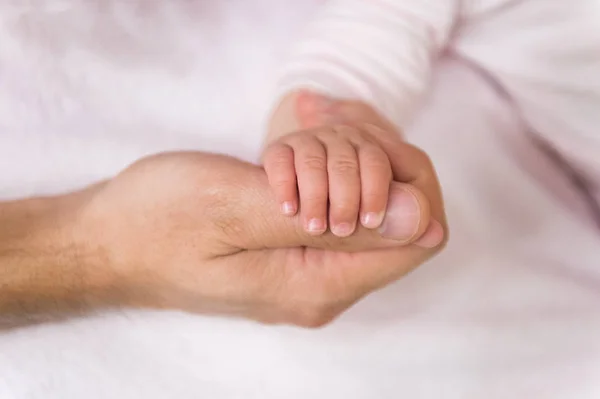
pixel 202 233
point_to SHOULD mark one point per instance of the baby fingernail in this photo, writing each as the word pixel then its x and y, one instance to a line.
pixel 316 226
pixel 402 217
pixel 372 220
pixel 288 208
pixel 342 229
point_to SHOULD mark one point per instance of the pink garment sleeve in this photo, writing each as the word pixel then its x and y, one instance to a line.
pixel 378 51
pixel 544 53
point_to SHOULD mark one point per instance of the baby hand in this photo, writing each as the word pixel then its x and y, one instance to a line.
pixel 340 168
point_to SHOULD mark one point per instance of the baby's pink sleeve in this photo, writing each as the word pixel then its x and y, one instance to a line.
pixel 378 51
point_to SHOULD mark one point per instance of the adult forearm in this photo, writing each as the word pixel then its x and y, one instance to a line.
pixel 49 267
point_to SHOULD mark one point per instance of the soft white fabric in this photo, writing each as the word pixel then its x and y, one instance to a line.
pixel 544 53
pixel 380 51
pixel 510 310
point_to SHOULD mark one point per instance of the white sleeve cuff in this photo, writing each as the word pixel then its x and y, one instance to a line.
pixel 377 51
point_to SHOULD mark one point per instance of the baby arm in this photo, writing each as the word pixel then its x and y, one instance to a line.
pixel 378 52
pixel 381 52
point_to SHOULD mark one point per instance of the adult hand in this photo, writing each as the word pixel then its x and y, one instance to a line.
pixel 203 233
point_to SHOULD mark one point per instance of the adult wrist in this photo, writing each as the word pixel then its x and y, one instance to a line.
pixel 50 265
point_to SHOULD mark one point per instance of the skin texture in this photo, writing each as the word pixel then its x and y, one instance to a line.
pixel 338 157
pixel 172 232
pixel 341 169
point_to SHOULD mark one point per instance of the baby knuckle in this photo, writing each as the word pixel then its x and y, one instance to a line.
pixel 279 160
pixel 313 162
pixel 377 161
pixel 278 156
pixel 345 166
pixel 347 132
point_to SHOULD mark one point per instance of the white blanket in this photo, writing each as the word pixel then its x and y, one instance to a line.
pixel 510 310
